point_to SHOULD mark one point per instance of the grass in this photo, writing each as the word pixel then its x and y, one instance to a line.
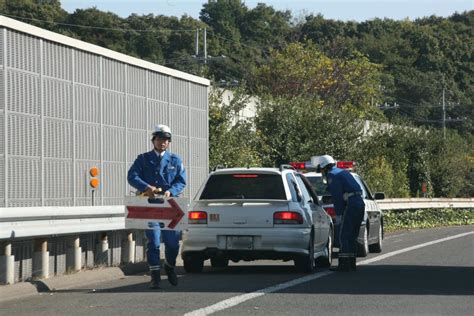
pixel 427 218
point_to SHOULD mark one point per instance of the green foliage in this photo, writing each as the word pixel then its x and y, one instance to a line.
pixel 417 219
pixel 232 141
pixel 298 128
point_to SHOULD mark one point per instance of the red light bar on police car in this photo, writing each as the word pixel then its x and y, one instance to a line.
pixel 346 164
pixel 301 165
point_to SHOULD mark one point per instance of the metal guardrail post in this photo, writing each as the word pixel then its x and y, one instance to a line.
pixel 73 255
pixel 102 251
pixel 128 249
pixel 7 267
pixel 41 259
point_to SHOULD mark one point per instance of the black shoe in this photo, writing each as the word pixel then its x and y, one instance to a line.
pixel 155 280
pixel 343 265
pixel 172 277
pixel 353 264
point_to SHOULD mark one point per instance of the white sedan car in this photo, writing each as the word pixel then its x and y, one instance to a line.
pixel 257 213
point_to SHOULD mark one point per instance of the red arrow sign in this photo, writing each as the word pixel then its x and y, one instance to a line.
pixel 144 212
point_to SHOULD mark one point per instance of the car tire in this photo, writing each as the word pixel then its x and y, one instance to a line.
pixel 193 263
pixel 324 261
pixel 219 262
pixel 363 249
pixel 306 263
pixel 377 248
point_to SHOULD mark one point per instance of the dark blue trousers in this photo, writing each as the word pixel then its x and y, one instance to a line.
pixel 349 230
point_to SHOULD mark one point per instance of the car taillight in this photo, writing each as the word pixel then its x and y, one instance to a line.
pixel 287 218
pixel 331 211
pixel 197 217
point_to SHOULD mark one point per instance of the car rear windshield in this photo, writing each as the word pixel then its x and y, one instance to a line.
pixel 319 186
pixel 244 186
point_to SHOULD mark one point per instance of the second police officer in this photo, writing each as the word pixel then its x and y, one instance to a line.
pixel 349 205
pixel 154 171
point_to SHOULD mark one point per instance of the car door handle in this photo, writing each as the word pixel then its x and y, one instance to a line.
pixel 240 221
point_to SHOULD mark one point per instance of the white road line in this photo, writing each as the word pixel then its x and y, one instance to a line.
pixel 236 300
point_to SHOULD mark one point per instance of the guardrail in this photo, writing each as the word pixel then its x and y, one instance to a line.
pixel 423 203
pixel 39 241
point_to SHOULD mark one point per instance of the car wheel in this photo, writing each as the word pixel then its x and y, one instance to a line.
pixel 363 249
pixel 377 248
pixel 193 263
pixel 219 262
pixel 326 261
pixel 306 263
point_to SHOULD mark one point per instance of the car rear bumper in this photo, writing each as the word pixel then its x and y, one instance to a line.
pixel 269 243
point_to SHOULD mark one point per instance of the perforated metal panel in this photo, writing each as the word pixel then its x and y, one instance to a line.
pixel 87 141
pixel 179 92
pixel 1 45
pixel 138 142
pixel 24 176
pixel 158 86
pixel 158 113
pixel 136 112
pixel 23 51
pixel 57 61
pixel 2 182
pixel 113 144
pixel 23 252
pixel 24 134
pixel 114 108
pixel 58 181
pixel 87 243
pixel 179 120
pixel 57 98
pixel 94 111
pixel 198 98
pixel 86 68
pixel 199 175
pixel 23 92
pixel 87 104
pixel 57 256
pixel 57 138
pixel 136 81
pixel 198 124
pixel 2 89
pixel 198 152
pixel 114 75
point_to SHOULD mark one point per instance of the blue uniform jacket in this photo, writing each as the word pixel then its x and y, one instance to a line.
pixel 167 174
pixel 340 181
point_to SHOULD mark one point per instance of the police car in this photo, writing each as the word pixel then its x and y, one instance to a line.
pixel 257 213
pixel 371 229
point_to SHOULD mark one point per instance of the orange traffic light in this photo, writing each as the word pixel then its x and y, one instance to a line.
pixel 94 171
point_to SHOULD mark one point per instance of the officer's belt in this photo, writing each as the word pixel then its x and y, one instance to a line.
pixel 347 195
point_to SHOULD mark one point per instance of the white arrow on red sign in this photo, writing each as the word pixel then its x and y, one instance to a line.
pixel 173 213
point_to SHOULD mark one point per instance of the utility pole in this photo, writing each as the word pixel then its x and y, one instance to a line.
pixel 205 45
pixel 444 116
pixel 196 43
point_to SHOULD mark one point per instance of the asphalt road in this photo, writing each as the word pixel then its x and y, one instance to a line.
pixel 427 272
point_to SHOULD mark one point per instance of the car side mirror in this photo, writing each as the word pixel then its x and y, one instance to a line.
pixel 379 195
pixel 327 199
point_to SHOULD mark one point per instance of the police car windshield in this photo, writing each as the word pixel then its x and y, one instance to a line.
pixel 244 186
pixel 318 185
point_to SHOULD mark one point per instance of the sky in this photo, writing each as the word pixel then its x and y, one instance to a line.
pixel 355 10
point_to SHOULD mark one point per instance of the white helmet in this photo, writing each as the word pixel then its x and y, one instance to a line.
pixel 322 161
pixel 161 131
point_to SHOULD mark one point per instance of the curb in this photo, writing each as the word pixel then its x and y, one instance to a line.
pixel 64 282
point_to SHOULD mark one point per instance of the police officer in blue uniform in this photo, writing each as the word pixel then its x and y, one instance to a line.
pixel 154 171
pixel 349 205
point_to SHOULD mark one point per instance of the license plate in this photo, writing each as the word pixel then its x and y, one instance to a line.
pixel 240 242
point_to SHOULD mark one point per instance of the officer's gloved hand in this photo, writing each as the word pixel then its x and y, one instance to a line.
pixel 150 191
pixel 167 194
